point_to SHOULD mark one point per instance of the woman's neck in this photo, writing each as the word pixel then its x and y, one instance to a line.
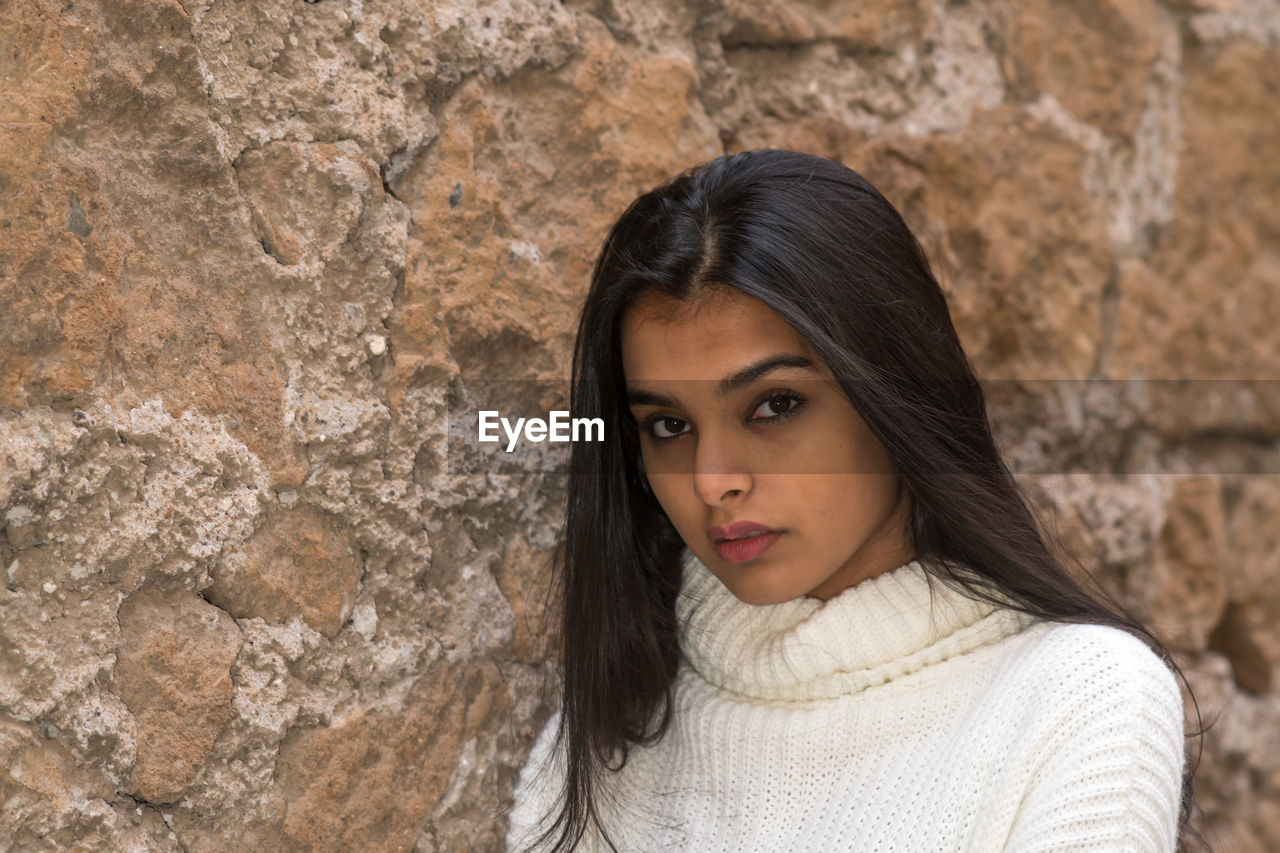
pixel 882 628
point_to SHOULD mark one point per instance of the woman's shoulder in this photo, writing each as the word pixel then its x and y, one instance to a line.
pixel 1096 742
pixel 1069 664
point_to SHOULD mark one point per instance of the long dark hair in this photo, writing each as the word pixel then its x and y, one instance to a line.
pixel 817 243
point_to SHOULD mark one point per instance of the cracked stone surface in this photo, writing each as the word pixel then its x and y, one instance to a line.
pixel 260 264
pixel 173 672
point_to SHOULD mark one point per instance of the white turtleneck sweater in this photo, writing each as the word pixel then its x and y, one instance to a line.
pixel 877 722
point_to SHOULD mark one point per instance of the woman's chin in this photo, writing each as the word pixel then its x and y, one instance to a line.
pixel 756 587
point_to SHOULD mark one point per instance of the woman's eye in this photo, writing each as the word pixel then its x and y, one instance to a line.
pixel 774 409
pixel 657 425
pixel 777 406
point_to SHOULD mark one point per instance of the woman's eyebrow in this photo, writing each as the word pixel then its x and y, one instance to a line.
pixel 729 384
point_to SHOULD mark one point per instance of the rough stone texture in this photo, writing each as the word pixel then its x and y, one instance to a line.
pixel 260 264
pixel 1249 635
pixel 173 673
pixel 1004 207
pixel 1187 591
pixel 299 563
pixel 1095 58
pixel 880 24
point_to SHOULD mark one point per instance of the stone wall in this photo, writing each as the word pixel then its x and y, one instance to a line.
pixel 256 257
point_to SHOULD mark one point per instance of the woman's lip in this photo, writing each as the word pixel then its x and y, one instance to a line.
pixel 737 530
pixel 742 550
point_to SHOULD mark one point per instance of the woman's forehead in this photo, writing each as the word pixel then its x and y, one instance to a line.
pixel 663 338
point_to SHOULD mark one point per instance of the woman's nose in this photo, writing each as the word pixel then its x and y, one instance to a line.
pixel 720 471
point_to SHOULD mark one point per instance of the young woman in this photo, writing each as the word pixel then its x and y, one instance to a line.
pixel 805 605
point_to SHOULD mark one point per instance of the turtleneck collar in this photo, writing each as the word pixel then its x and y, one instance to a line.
pixel 882 628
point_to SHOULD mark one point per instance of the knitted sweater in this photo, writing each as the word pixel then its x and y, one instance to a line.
pixel 875 721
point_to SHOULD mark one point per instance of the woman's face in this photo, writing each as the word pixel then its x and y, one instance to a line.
pixel 740 421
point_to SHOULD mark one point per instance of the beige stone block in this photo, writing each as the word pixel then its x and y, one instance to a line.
pixel 1186 590
pixel 307 198
pixel 1094 58
pixel 173 671
pixel 880 24
pixel 301 563
pixel 1249 635
pixel 524 576
pixel 1206 303
pixel 1015 240
pixel 370 780
pixel 35 771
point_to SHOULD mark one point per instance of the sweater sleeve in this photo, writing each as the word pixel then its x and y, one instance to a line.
pixel 1111 776
pixel 537 792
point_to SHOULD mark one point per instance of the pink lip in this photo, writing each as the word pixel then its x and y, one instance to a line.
pixel 737 530
pixel 732 548
pixel 742 550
